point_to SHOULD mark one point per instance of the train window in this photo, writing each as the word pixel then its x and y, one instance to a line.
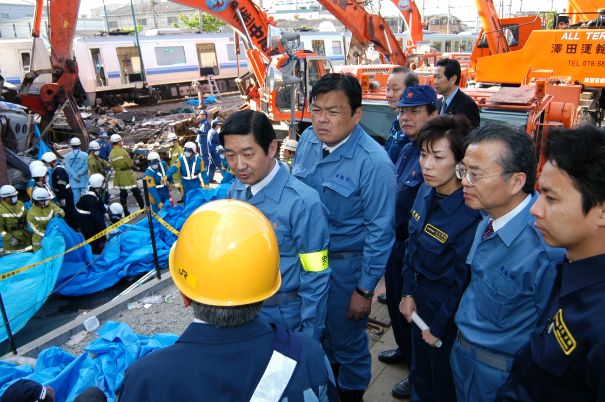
pixel 130 64
pixel 438 46
pixel 336 47
pixel 169 55
pixel 25 61
pixel 319 46
pixel 206 53
pixel 448 46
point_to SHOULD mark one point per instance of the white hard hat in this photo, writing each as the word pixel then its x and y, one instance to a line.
pixel 38 171
pixel 7 191
pixel 116 209
pixel 94 146
pixel 49 157
pixel 290 145
pixel 115 138
pixel 75 142
pixel 36 163
pixel 190 145
pixel 96 180
pixel 171 137
pixel 40 194
pixel 153 156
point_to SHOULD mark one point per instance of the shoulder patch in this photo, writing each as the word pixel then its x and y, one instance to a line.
pixel 435 233
pixel 563 335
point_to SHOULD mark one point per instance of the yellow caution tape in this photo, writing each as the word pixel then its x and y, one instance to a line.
pixel 95 237
pixel 165 224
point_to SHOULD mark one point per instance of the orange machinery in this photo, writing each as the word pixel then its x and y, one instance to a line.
pixel 63 16
pixel 413 20
pixel 366 29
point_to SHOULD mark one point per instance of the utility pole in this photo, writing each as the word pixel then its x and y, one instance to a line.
pixel 106 21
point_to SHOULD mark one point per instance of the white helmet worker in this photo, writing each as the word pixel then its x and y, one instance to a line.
pixel 35 163
pixel 96 180
pixel 290 145
pixel 115 138
pixel 38 171
pixel 116 209
pixel 190 145
pixel 40 194
pixel 94 146
pixel 7 191
pixel 171 137
pixel 75 142
pixel 151 156
pixel 49 157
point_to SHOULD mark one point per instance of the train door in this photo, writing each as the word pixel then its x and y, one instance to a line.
pixel 318 46
pixel 97 62
pixel 206 55
pixel 130 64
pixel 25 60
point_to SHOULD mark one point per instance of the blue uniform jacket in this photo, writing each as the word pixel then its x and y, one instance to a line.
pixel 213 143
pixel 158 191
pixel 77 168
pixel 190 169
pixel 396 141
pixel 409 179
pixel 441 234
pixel 202 138
pixel 356 183
pixel 223 365
pixel 105 149
pixel 512 274
pixel 301 227
pixel 565 357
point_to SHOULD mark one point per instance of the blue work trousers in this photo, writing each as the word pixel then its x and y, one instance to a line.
pixel 189 185
pixel 431 375
pixel 473 378
pixel 393 280
pixel 346 341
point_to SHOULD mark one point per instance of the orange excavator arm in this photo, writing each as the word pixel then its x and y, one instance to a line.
pixel 411 15
pixel 582 10
pixel 367 28
pixel 491 26
pixel 63 16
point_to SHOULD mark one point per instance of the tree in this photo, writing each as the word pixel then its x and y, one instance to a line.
pixel 209 22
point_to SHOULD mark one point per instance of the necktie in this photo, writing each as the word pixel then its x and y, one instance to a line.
pixel 489 230
pixel 443 107
pixel 326 152
pixel 248 192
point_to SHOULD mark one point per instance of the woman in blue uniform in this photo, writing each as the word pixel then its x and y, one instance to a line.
pixel 441 231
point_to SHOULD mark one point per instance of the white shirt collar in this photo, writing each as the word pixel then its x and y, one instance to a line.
pixel 255 188
pixel 335 147
pixel 504 219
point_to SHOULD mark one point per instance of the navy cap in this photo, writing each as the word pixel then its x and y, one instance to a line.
pixel 24 391
pixel 417 95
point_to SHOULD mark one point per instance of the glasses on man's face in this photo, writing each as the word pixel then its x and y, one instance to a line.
pixel 411 110
pixel 472 178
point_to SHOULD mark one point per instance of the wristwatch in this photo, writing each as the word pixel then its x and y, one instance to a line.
pixel 366 294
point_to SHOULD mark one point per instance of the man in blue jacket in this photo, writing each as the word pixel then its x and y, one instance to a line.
pixel 356 182
pixel 76 164
pixel 297 215
pixel 229 352
pixel 202 136
pixel 214 156
pixel 512 268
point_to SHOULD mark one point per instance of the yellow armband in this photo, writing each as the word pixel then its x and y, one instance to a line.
pixel 315 262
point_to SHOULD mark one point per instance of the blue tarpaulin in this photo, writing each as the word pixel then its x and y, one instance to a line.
pixel 102 365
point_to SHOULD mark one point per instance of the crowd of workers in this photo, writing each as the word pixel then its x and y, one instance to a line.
pixel 506 279
pixel 77 189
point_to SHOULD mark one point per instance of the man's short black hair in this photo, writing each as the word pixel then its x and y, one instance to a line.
pixel 580 153
pixel 453 127
pixel 339 82
pixel 247 122
pixel 411 78
pixel 520 155
pixel 451 67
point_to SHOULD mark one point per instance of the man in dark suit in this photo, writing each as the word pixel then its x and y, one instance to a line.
pixel 447 77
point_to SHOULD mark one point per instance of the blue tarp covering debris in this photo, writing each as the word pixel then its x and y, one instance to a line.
pixel 102 365
pixel 128 253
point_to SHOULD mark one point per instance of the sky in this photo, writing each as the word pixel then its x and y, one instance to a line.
pixel 463 9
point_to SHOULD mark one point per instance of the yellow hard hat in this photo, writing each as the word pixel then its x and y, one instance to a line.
pixel 226 255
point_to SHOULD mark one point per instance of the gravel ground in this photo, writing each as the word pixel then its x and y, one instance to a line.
pixel 167 316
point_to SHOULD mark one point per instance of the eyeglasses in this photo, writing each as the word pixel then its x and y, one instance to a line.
pixel 412 110
pixel 472 178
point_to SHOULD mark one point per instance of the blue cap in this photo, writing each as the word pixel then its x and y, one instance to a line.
pixel 417 95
